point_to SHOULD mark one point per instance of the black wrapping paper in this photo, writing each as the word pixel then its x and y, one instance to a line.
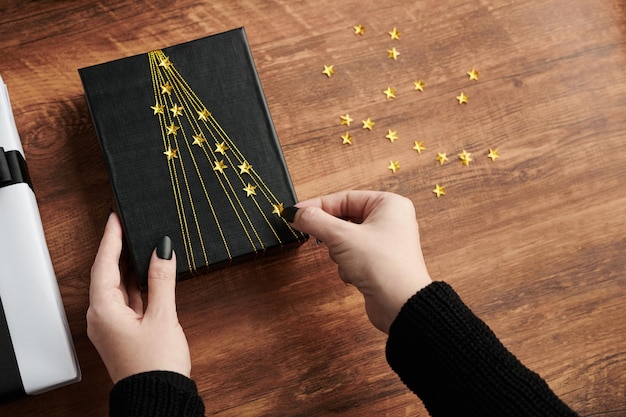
pixel 179 129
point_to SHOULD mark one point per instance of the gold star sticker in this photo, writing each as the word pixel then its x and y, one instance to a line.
pixel 442 158
pixel 359 29
pixel 439 190
pixel 171 153
pixel 244 168
pixel 221 148
pixel 473 74
pixel 395 34
pixel 198 139
pixel 203 114
pixel 250 190
pixel 419 85
pixel 368 124
pixel 220 166
pixel 390 93
pixel 394 166
pixel 392 135
pixel 171 129
pixel 419 147
pixel 346 120
pixel 278 209
pixel 465 158
pixel 328 70
pixel 158 108
pixel 493 154
pixel 347 139
pixel 165 63
pixel 393 54
pixel 462 98
pixel 166 88
pixel 176 110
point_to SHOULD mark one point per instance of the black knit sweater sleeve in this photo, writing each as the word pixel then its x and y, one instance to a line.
pixel 155 394
pixel 458 367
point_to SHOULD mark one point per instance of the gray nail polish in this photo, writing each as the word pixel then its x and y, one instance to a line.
pixel 164 248
pixel 289 213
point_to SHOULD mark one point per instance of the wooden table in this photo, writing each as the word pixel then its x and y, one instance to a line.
pixel 533 242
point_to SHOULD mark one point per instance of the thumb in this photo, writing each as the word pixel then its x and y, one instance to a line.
pixel 316 222
pixel 162 278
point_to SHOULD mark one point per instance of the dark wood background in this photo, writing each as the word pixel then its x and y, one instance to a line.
pixel 533 242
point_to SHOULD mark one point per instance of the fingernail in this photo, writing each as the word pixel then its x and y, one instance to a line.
pixel 319 242
pixel 289 213
pixel 164 248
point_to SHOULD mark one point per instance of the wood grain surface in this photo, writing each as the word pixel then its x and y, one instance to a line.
pixel 533 242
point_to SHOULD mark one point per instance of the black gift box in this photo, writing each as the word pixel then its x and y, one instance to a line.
pixel 192 153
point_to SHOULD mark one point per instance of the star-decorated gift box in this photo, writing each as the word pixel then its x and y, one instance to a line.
pixel 192 153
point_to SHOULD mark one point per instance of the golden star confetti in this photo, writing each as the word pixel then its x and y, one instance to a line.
pixel 158 108
pixel 278 209
pixel 171 153
pixel 368 124
pixel 493 154
pixel 250 190
pixel 346 120
pixel 439 190
pixel 221 148
pixel 220 166
pixel 244 168
pixel 462 98
pixel 394 166
pixel 165 63
pixel 203 114
pixel 442 158
pixel 395 34
pixel 392 135
pixel 465 158
pixel 419 85
pixel 347 139
pixel 390 93
pixel 176 110
pixel 473 74
pixel 166 88
pixel 419 147
pixel 171 129
pixel 328 70
pixel 359 29
pixel 393 54
pixel 199 139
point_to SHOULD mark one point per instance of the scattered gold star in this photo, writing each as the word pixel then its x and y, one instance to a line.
pixel 390 93
pixel 419 147
pixel 359 29
pixel 328 70
pixel 395 34
pixel 220 166
pixel 419 85
pixel 177 111
pixel 347 139
pixel 278 209
pixel 439 190
pixel 462 98
pixel 346 120
pixel 473 74
pixel 250 190
pixel 394 166
pixel 368 124
pixel 465 158
pixel 171 153
pixel 166 88
pixel 244 168
pixel 392 135
pixel 442 158
pixel 203 114
pixel 493 154
pixel 158 108
pixel 171 129
pixel 198 139
pixel 165 63
pixel 393 54
pixel 221 148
